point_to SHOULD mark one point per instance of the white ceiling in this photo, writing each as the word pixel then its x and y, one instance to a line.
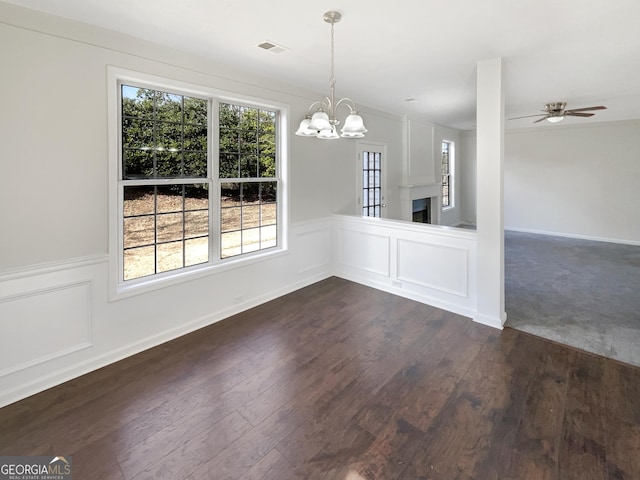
pixel 584 52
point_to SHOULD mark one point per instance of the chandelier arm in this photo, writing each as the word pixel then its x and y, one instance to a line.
pixel 348 102
pixel 321 103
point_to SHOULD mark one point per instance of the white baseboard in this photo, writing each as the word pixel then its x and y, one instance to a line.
pixel 463 224
pixel 427 300
pixel 491 321
pixel 576 236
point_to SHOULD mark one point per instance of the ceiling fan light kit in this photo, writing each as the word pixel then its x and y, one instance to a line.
pixel 322 123
pixel 556 111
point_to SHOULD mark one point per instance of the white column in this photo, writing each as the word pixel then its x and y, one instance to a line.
pixel 490 221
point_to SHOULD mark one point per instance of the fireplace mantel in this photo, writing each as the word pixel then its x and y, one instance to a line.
pixel 411 192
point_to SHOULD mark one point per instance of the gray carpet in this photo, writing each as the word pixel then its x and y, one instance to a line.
pixel 581 293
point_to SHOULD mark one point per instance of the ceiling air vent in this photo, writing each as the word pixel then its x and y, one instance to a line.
pixel 272 47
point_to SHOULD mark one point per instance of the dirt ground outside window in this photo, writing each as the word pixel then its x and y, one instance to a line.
pixel 180 229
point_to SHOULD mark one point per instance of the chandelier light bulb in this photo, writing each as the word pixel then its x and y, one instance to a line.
pixel 352 135
pixel 329 134
pixel 354 124
pixel 305 130
pixel 320 121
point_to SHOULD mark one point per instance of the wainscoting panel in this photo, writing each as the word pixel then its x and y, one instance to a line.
pixel 438 267
pixel 420 152
pixel 364 251
pixel 41 325
pixel 428 263
pixel 313 246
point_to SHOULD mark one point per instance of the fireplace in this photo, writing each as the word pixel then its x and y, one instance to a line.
pixel 421 210
pixel 421 203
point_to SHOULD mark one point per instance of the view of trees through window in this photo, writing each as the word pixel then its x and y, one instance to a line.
pixel 168 189
pixel 247 170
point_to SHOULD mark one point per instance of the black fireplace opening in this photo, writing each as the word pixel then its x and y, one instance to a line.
pixel 421 209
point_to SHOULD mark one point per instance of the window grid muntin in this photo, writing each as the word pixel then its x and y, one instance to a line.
pixel 247 136
pixel 185 238
pixel 157 121
pixel 371 184
pixel 249 139
pixel 263 222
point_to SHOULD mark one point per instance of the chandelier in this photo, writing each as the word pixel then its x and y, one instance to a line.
pixel 323 122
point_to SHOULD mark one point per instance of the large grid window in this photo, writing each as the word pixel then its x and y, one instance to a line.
pixel 447 174
pixel 169 184
pixel 371 184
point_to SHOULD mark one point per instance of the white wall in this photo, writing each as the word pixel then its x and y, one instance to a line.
pixel 576 180
pixel 467 163
pixel 56 320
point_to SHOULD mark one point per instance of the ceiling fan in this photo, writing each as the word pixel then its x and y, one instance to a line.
pixel 555 112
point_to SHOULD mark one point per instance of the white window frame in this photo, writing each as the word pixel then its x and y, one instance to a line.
pixel 122 289
pixel 451 175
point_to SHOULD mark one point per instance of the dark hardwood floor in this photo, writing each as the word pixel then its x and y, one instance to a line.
pixel 338 381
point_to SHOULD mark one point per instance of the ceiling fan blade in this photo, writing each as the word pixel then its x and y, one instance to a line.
pixel 578 114
pixel 529 116
pixel 543 118
pixel 600 107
